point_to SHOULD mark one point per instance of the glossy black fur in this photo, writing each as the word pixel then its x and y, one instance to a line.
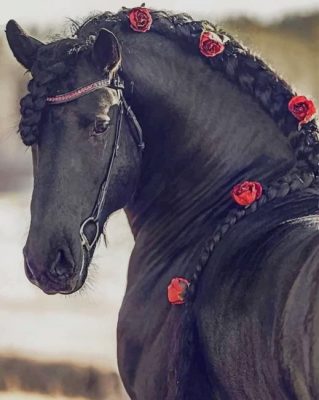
pixel 250 328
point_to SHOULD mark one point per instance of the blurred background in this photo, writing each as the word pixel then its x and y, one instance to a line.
pixel 65 347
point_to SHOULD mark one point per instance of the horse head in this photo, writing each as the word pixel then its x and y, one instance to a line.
pixel 86 146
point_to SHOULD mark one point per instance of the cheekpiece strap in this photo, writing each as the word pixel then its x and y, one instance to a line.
pixel 92 87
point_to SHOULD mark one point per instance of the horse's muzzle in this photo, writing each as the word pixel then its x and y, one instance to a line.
pixel 59 277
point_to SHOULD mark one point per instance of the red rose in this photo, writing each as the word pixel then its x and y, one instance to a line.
pixel 302 109
pixel 210 44
pixel 176 290
pixel 246 193
pixel 140 19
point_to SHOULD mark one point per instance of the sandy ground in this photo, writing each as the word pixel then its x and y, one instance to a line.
pixel 32 396
pixel 80 328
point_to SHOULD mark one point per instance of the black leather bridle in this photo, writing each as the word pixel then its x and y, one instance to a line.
pixel 95 218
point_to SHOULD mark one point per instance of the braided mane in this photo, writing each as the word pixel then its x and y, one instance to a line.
pixel 242 68
pixel 238 65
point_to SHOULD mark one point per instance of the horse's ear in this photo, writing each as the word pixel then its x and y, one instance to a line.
pixel 23 47
pixel 106 51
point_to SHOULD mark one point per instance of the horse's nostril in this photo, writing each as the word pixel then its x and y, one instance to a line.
pixel 62 267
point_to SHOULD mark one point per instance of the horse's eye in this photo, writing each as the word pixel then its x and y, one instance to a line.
pixel 101 125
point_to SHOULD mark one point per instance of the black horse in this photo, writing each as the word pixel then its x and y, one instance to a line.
pixel 248 328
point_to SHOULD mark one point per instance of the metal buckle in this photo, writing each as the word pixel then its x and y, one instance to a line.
pixel 117 83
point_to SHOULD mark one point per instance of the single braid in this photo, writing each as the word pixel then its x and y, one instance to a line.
pixel 290 183
pixel 181 366
pixel 32 105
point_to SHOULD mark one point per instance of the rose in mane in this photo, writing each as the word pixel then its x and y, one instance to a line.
pixel 302 108
pixel 210 44
pixel 176 290
pixel 246 193
pixel 140 19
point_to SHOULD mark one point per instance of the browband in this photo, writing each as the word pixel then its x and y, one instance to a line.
pixel 82 91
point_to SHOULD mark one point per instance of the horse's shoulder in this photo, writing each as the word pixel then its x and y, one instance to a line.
pixel 290 228
pixel 267 263
pixel 298 236
pixel 264 290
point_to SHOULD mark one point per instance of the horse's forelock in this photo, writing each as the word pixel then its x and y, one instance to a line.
pixel 54 61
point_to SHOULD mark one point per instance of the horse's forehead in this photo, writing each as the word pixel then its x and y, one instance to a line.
pixel 59 50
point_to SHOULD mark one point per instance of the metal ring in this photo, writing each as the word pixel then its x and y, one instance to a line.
pixel 84 240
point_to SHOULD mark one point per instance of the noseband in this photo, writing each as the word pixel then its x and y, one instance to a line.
pixel 95 218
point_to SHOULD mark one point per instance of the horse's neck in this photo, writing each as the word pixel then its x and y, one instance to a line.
pixel 202 136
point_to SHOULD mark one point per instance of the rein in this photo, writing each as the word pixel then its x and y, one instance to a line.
pixel 94 220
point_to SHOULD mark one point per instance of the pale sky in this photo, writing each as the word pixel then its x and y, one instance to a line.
pixel 51 11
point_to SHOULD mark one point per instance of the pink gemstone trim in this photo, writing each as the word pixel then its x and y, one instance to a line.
pixel 75 94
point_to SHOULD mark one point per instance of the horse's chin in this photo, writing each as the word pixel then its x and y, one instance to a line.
pixel 65 287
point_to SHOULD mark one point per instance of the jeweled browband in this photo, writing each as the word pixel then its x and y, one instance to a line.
pixel 82 91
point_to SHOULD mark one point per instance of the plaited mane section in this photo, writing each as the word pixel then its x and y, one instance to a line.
pixel 33 103
pixel 53 64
